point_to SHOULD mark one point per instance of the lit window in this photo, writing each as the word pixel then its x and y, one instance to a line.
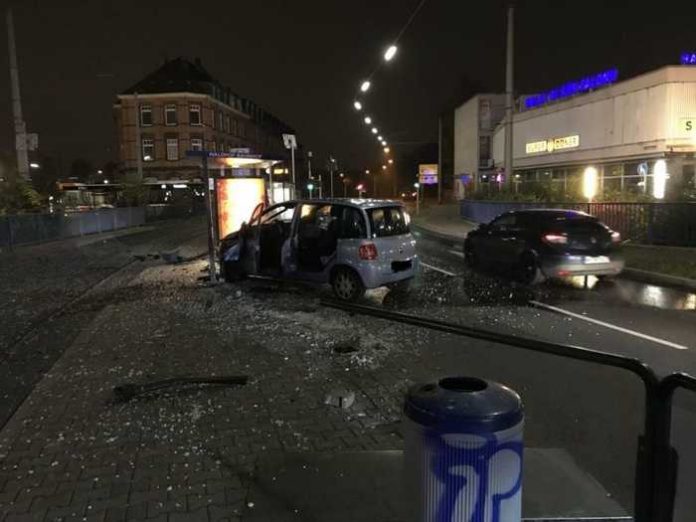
pixel 170 114
pixel 172 149
pixel 145 115
pixel 196 144
pixel 148 149
pixel 194 114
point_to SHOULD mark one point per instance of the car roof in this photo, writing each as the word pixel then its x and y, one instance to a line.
pixel 550 212
pixel 353 202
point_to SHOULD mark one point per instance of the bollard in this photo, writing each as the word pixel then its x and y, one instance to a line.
pixel 463 451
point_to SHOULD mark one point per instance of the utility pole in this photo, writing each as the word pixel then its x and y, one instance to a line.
pixel 439 160
pixel 19 124
pixel 138 140
pixel 331 176
pixel 309 164
pixel 509 92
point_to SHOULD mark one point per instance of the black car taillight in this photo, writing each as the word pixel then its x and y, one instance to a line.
pixel 555 238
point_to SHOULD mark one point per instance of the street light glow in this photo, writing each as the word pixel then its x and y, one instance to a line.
pixel 390 52
pixel 387 150
pixel 589 183
pixel 34 166
pixel 374 130
pixel 379 138
pixel 365 86
pixel 357 105
pixel 660 179
pixel 367 172
pixel 368 120
pixel 384 167
pixel 391 161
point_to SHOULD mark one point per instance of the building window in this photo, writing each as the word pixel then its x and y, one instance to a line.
pixel 172 149
pixel 234 127
pixel 170 114
pixel 145 115
pixel 220 120
pixel 148 149
pixel 194 114
pixel 196 144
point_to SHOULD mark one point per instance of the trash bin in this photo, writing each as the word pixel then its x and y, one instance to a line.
pixel 463 451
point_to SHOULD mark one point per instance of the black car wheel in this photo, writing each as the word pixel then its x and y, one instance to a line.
pixel 347 285
pixel 528 271
pixel 470 256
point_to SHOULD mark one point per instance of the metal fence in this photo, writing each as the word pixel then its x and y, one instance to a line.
pixel 32 228
pixel 659 462
pixel 653 223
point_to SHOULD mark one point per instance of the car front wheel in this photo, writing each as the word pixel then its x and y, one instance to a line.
pixel 347 285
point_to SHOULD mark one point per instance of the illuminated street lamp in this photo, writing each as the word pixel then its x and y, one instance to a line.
pixel 387 150
pixel 367 172
pixel 34 166
pixel 357 105
pixel 391 161
pixel 384 167
pixel 365 86
pixel 374 130
pixel 310 187
pixel 379 138
pixel 390 53
pixel 368 120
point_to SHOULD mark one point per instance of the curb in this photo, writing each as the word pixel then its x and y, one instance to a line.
pixel 656 278
pixel 427 232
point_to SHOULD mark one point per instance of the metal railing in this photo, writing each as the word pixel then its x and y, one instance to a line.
pixel 652 223
pixel 656 460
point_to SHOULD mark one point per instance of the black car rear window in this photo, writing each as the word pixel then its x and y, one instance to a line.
pixel 388 221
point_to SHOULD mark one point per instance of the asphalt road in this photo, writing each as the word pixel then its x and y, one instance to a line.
pixel 593 412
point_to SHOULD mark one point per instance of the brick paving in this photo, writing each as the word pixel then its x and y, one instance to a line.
pixel 72 452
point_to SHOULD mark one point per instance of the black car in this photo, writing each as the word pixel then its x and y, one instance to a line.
pixel 536 244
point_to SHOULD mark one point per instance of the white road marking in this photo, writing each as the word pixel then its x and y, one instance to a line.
pixel 609 325
pixel 457 253
pixel 442 271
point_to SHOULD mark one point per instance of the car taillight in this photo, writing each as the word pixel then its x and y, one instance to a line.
pixel 368 252
pixel 615 237
pixel 555 239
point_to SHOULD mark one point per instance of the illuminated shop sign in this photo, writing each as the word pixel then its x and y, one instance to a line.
pixel 569 89
pixel 687 125
pixel 552 145
pixel 688 59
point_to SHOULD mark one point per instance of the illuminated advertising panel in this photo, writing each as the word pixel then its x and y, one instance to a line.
pixel 427 174
pixel 236 200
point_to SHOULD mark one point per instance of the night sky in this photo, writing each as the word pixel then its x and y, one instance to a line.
pixel 304 60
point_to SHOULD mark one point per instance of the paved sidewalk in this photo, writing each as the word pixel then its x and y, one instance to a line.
pixel 443 220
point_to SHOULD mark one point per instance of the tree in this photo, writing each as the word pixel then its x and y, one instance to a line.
pixel 16 194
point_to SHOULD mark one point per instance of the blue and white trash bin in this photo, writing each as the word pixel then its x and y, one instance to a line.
pixel 463 453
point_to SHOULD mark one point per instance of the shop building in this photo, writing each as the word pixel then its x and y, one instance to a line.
pixel 639 134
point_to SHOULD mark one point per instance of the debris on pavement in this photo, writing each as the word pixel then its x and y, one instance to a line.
pixel 125 392
pixel 340 398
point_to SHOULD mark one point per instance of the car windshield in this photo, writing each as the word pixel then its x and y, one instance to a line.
pixel 388 221
pixel 332 261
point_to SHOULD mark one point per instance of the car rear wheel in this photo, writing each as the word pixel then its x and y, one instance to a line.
pixel 347 285
pixel 470 256
pixel 528 271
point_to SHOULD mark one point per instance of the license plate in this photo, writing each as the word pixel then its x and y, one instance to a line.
pixel 596 260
